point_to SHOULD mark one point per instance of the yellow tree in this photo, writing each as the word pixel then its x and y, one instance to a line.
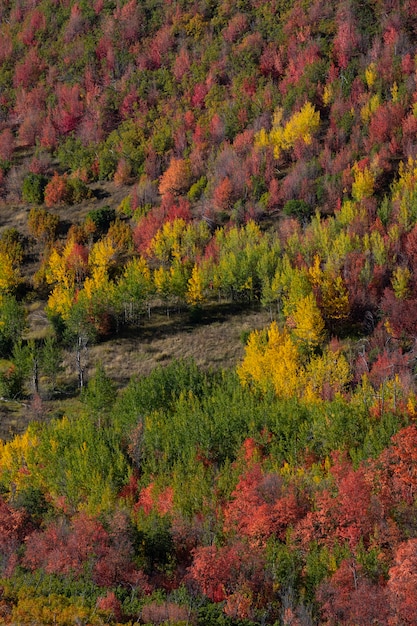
pixel 195 293
pixel 331 291
pixel 58 274
pixel 401 278
pixel 102 257
pixel 326 375
pixel 300 127
pixel 271 359
pixel 307 322
pixel 363 183
pixel 9 274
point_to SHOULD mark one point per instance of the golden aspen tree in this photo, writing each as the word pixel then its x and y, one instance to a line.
pixel 400 281
pixel 363 183
pixel 315 272
pixel 271 359
pixel 58 274
pixel 404 194
pixel 371 105
pixel 195 295
pixel 61 300
pixel 334 297
pixel 102 257
pixel 15 458
pixel 161 279
pixel 9 274
pixel 166 244
pixel 371 75
pixel 306 322
pixel 133 289
pixel 326 375
pixel 378 248
pixel 332 292
pixel 300 127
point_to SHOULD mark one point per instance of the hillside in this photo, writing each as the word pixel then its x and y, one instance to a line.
pixel 208 312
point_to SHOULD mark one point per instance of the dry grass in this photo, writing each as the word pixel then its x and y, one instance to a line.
pixel 214 342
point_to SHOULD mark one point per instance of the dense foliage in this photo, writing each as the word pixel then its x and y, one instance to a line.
pixel 269 156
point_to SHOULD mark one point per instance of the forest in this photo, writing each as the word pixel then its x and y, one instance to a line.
pixel 171 160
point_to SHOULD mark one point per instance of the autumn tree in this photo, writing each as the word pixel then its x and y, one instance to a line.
pixel 306 322
pixel 402 583
pixel 176 179
pixel 43 225
pixel 271 358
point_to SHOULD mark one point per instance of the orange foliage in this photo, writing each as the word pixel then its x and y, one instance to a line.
pixel 176 179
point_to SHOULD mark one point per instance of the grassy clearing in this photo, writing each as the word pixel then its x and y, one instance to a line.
pixel 214 342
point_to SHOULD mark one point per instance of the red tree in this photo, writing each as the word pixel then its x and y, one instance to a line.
pixel 402 584
pixel 261 506
pixel 13 528
pixel 349 599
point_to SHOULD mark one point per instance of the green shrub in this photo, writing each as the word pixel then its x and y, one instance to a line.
pixel 33 188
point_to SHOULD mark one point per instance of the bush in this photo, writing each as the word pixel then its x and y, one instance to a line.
pixel 297 208
pixel 102 218
pixel 33 188
pixel 78 190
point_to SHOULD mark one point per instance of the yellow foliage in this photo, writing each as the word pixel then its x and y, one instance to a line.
pixel 394 92
pixel 102 253
pixel 307 322
pixel 57 270
pixel 327 372
pixel 400 281
pixel 334 297
pixel 371 74
pixel 9 276
pixel 98 281
pixel 166 244
pixel 161 278
pixel 102 256
pixel 378 248
pixel 363 183
pixel 341 245
pixel 262 139
pixel 277 118
pixel 296 288
pixel 271 358
pixel 315 272
pixel 60 300
pixel 195 26
pixel 14 458
pixel 370 107
pixel 195 294
pixel 404 193
pixel 52 609
pixel 276 139
pixel 327 95
pixel 300 127
pixel 348 212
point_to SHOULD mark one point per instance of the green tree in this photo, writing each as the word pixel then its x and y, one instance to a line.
pixel 99 395
pixel 12 323
pixel 33 188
